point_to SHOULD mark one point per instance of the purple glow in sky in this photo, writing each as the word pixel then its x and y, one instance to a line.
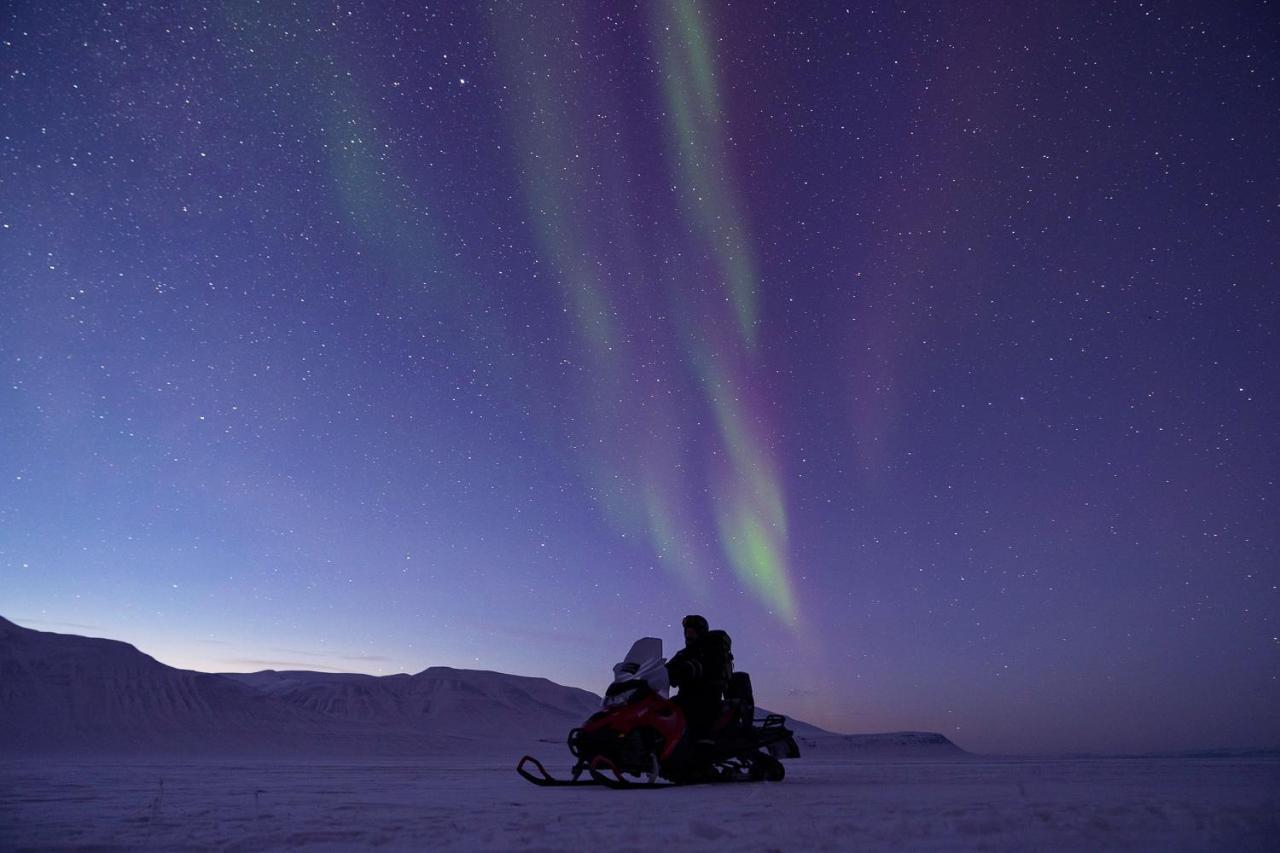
pixel 930 351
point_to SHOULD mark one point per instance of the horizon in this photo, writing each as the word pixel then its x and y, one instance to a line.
pixel 930 352
pixel 1206 748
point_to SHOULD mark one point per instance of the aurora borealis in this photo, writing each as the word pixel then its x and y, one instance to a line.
pixel 929 351
pixel 699 306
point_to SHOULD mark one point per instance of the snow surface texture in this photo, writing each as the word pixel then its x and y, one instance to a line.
pixel 455 803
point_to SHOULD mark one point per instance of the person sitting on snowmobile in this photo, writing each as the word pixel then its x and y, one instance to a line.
pixel 701 670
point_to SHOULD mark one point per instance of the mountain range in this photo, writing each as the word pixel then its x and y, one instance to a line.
pixel 72 695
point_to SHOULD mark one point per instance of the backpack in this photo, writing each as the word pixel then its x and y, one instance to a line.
pixel 720 641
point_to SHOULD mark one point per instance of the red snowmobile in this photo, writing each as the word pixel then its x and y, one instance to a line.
pixel 640 736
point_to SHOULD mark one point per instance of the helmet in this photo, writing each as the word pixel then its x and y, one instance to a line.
pixel 697 623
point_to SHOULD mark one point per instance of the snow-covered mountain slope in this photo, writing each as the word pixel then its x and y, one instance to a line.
pixel 71 694
pixel 65 692
pixel 440 699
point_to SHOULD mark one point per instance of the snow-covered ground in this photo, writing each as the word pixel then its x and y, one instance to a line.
pixel 455 803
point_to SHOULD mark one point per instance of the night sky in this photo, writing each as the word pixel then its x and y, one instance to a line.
pixel 930 351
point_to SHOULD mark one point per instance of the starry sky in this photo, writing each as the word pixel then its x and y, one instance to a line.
pixel 928 348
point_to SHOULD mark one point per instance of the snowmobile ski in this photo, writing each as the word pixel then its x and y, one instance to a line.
pixel 545 779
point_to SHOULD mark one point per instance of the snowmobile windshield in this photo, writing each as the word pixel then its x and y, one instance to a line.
pixel 644 664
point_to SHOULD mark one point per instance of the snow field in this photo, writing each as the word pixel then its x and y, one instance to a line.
pixel 456 803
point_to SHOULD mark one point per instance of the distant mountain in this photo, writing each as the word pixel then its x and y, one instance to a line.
pixel 1212 753
pixel 62 693
pixel 913 744
pixel 441 699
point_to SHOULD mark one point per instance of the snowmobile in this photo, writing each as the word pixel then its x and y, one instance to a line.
pixel 640 737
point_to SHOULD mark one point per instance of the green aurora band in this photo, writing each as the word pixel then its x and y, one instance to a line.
pixel 580 203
